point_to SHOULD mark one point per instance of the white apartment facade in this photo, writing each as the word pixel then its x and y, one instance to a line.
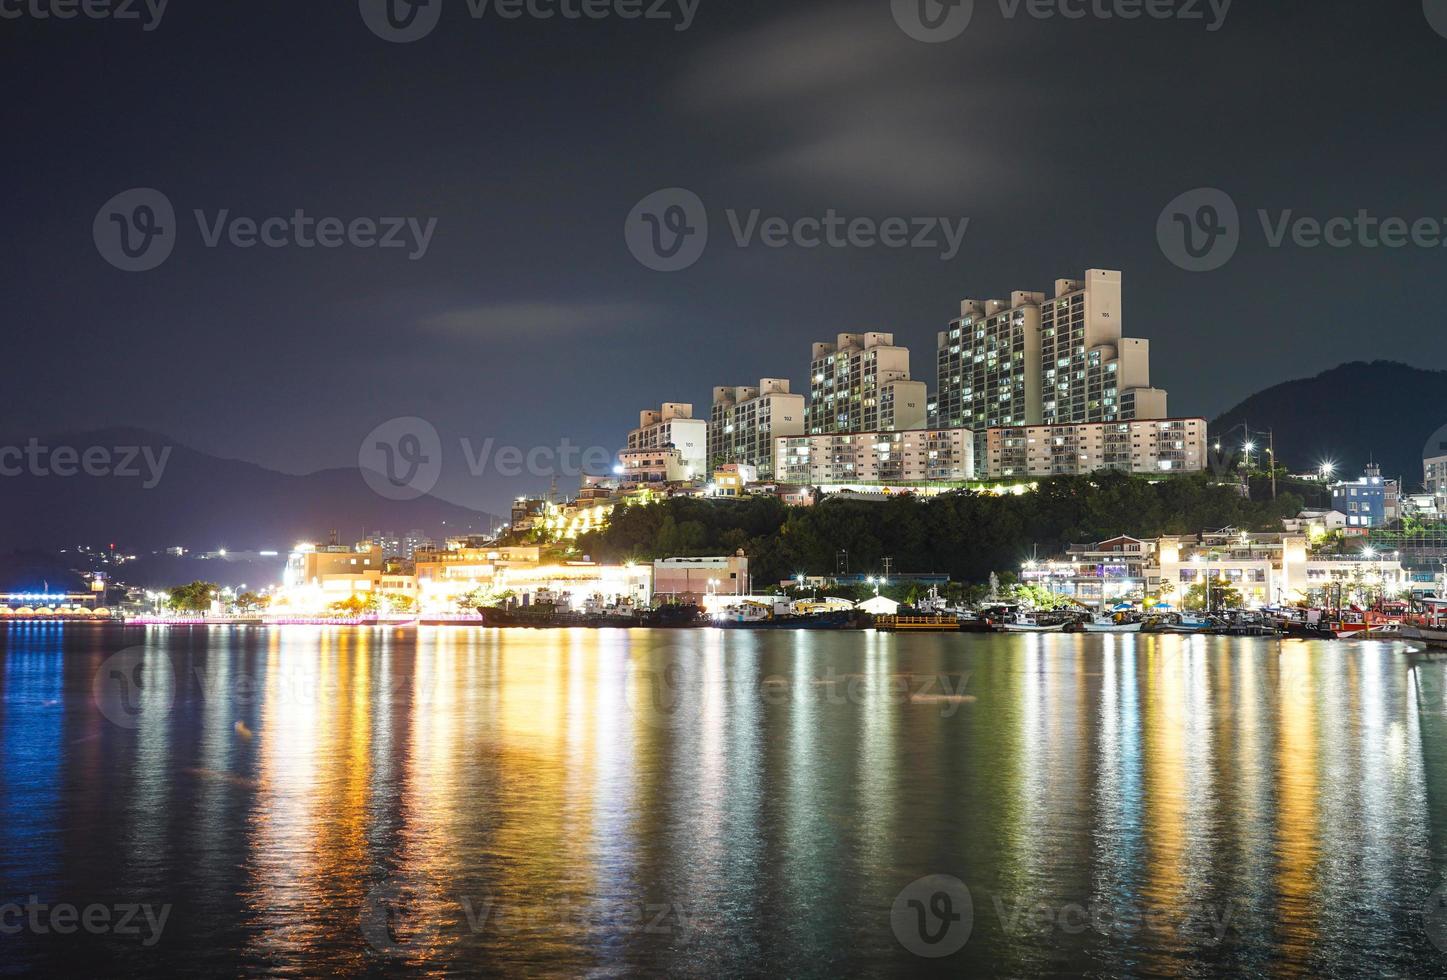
pixel 745 421
pixel 1152 447
pixel 673 425
pixel 861 383
pixel 1434 471
pixel 891 458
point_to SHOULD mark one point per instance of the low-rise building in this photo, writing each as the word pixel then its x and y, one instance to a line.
pixel 1153 447
pixel 1368 501
pixel 693 580
pixel 904 457
pixel 1266 569
pixel 653 467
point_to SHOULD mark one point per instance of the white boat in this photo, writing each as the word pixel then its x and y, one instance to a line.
pixel 1111 626
pixel 1030 623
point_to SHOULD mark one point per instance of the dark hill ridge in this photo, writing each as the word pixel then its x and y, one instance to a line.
pixel 202 502
pixel 1351 415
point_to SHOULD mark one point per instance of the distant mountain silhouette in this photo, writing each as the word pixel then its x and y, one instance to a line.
pixel 1351 415
pixel 203 502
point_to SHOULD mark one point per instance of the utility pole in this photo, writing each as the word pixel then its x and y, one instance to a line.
pixel 1271 434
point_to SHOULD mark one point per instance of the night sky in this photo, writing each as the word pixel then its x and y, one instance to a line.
pixel 528 320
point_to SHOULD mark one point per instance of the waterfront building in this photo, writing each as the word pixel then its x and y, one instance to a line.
pixel 672 425
pixel 746 420
pixel 447 576
pixel 1031 360
pixel 861 383
pixel 694 580
pixel 1154 447
pixel 904 457
pixel 1369 501
pixel 1266 569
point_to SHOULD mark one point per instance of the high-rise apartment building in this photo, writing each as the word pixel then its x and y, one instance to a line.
pixel 673 425
pixel 861 383
pixel 745 421
pixel 1058 361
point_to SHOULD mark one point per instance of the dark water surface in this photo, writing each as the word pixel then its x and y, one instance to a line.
pixel 452 801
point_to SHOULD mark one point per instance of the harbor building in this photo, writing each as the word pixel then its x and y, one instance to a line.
pixel 861 383
pixel 673 425
pixel 746 420
pixel 890 458
pixel 1266 569
pixel 1157 446
pixel 1032 360
pixel 696 580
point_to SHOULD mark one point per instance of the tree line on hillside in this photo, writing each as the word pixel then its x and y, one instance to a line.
pixel 965 534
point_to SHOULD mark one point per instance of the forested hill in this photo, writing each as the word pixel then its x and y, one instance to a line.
pixel 968 535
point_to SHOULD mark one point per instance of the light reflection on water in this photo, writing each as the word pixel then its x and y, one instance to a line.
pixel 461 801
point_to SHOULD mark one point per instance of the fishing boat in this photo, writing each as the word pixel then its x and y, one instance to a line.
pixel 1430 629
pixel 1034 623
pixel 1109 624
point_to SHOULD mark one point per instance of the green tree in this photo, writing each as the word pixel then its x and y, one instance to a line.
pixel 195 597
pixel 1223 595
